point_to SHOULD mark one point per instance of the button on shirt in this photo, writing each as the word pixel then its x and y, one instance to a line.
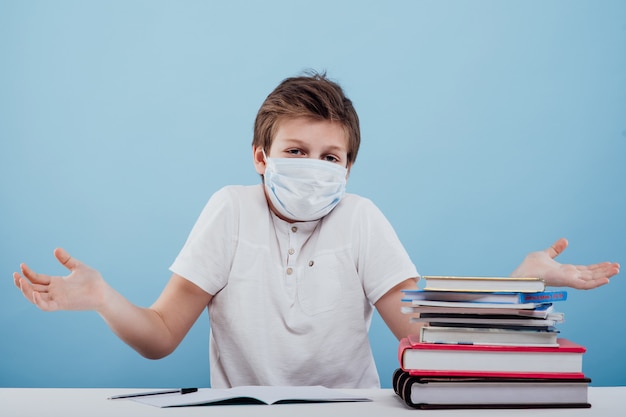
pixel 292 302
pixel 290 240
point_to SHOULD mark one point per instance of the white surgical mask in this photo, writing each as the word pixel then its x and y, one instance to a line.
pixel 304 189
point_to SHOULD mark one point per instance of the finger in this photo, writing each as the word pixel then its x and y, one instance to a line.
pixel 596 275
pixel 557 247
pixel 16 279
pixel 40 288
pixel 34 277
pixel 43 302
pixel 599 270
pixel 605 269
pixel 24 286
pixel 66 260
pixel 35 293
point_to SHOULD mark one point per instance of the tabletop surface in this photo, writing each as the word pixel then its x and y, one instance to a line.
pixel 93 402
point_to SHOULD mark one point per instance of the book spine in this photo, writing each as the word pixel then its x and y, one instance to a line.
pixel 543 297
pixel 404 344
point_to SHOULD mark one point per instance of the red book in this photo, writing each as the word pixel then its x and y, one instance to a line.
pixel 562 361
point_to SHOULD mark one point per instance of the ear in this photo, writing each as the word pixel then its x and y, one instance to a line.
pixel 259 159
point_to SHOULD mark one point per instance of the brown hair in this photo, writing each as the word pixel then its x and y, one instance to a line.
pixel 311 95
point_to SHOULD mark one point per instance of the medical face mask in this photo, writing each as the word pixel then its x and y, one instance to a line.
pixel 304 189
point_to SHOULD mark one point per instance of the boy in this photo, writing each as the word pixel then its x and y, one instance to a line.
pixel 290 269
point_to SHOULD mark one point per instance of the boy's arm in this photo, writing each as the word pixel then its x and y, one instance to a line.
pixel 389 307
pixel 154 332
pixel 539 264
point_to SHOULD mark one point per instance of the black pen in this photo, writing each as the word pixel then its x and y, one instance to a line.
pixel 181 391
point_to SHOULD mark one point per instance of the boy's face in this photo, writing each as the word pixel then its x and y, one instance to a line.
pixel 306 138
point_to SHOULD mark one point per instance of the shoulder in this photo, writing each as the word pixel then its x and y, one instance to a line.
pixel 239 192
pixel 356 212
pixel 354 205
pixel 233 201
pixel 238 195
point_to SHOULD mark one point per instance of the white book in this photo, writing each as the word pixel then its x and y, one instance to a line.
pixel 459 392
pixel 486 322
pixel 488 284
pixel 470 304
pixel 542 312
pixel 486 336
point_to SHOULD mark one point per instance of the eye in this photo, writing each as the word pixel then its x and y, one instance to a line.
pixel 295 152
pixel 331 158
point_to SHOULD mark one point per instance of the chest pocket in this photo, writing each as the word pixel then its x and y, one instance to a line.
pixel 322 281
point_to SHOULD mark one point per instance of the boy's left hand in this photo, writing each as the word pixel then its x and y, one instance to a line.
pixel 541 264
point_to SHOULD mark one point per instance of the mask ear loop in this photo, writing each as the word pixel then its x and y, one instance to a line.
pixel 265 160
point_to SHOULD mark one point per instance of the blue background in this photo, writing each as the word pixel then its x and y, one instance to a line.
pixel 490 129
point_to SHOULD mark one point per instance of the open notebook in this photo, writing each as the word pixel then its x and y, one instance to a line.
pixel 250 395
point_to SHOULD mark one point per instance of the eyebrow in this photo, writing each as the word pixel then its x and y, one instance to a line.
pixel 332 148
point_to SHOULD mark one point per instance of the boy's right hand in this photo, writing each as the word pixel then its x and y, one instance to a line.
pixel 82 289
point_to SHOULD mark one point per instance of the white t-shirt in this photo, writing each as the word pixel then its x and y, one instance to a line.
pixel 292 302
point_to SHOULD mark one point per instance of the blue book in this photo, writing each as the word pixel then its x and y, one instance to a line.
pixel 541 297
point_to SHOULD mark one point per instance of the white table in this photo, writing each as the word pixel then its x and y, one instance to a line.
pixel 92 402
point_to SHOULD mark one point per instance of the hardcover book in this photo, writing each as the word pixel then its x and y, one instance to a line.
pixel 485 284
pixel 472 304
pixel 489 336
pixel 543 311
pixel 454 392
pixel 486 297
pixel 563 361
pixel 486 322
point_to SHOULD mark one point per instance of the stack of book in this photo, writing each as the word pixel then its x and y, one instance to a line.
pixel 488 342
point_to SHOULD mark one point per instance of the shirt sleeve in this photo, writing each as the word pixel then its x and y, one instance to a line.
pixel 383 262
pixel 207 254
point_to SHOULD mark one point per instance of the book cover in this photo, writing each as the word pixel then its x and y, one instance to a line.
pixel 486 297
pixel 542 311
pixel 450 391
pixel 488 336
pixel 485 284
pixel 472 304
pixel 541 314
pixel 488 323
pixel 420 358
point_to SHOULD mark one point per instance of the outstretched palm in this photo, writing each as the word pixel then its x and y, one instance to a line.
pixel 542 264
pixel 80 290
